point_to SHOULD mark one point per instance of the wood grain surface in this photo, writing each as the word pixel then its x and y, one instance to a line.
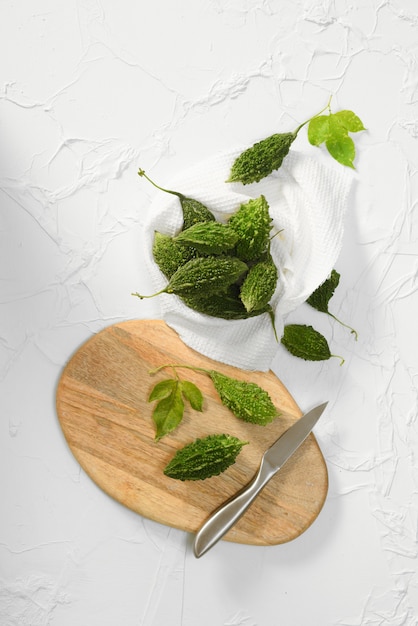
pixel 103 409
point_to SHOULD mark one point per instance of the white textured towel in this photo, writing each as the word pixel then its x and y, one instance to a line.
pixel 307 203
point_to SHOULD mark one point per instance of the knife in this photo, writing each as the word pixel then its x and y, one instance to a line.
pixel 273 459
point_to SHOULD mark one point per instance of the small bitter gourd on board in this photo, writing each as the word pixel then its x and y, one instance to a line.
pixel 204 458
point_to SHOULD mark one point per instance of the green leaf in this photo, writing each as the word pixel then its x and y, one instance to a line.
pixel 342 149
pixel 162 389
pixel 168 413
pixel 336 128
pixel 320 298
pixel 318 129
pixel 193 394
pixel 350 121
pixel 333 130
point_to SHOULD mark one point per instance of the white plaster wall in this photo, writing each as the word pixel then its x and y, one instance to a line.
pixel 91 90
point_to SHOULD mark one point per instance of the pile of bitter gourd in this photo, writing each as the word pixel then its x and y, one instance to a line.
pixel 220 269
pixel 226 270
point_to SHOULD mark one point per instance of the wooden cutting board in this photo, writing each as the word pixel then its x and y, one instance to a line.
pixel 103 408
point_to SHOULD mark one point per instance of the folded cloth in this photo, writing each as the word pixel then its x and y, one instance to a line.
pixel 307 203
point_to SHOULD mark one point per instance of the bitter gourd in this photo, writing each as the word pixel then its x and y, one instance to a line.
pixel 203 275
pixel 247 401
pixel 259 285
pixel 204 458
pixel 252 223
pixel 320 298
pixel 170 255
pixel 208 237
pixel 193 210
pixel 305 342
pixel 221 305
pixel 261 159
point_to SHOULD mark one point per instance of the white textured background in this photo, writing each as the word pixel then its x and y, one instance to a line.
pixel 90 91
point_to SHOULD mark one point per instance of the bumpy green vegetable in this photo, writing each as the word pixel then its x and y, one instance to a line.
pixel 213 287
pixel 208 237
pixel 261 159
pixel 194 211
pixel 170 255
pixel 252 223
pixel 227 307
pixel 246 400
pixel 259 285
pixel 206 274
pixel 204 458
pixel 306 342
pixel 203 275
pixel 320 298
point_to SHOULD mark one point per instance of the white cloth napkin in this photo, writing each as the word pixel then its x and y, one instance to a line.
pixel 307 203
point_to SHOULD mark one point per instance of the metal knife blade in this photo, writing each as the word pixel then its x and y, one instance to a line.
pixel 273 459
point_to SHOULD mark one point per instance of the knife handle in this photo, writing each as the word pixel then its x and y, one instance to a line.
pixel 229 513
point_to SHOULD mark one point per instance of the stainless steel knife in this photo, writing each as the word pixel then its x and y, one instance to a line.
pixel 273 459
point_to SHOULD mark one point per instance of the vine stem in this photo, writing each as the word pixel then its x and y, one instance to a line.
pixel 353 332
pixel 141 297
pixel 327 107
pixel 178 365
pixel 142 173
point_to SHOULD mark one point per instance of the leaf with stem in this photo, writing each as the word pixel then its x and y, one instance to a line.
pixel 333 129
pixel 169 410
